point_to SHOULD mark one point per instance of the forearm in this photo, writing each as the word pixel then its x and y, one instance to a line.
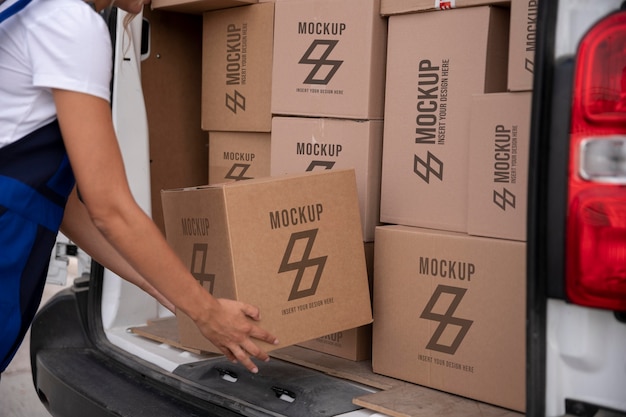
pixel 131 232
pixel 98 166
pixel 79 228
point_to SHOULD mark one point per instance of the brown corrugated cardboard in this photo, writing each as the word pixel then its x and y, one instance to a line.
pixel 177 144
pixel 449 313
pixel 235 156
pixel 290 245
pixel 329 59
pixel 498 168
pixel 391 7
pixel 301 144
pixel 237 68
pixel 197 6
pixel 427 110
pixel 522 44
pixel 353 344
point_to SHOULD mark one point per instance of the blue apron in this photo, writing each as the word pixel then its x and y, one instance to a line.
pixel 35 182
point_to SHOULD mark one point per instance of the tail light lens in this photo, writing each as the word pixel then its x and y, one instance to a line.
pixel 596 218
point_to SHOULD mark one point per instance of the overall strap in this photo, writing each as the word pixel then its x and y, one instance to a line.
pixel 36 177
pixel 12 9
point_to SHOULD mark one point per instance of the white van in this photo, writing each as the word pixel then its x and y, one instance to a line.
pixel 86 362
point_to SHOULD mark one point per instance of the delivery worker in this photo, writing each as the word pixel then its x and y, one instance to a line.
pixel 61 168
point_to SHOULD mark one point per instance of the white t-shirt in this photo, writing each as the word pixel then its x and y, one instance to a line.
pixel 49 44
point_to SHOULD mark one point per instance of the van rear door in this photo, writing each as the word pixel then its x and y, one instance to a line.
pixel 577 236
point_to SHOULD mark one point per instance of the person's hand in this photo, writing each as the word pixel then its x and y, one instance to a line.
pixel 229 328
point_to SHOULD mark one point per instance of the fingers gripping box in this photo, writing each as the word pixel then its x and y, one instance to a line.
pixel 290 245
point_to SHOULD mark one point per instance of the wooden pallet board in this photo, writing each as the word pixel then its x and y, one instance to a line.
pixel 410 400
pixel 395 398
pixel 360 372
pixel 163 331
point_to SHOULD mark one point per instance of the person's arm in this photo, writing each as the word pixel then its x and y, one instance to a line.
pixel 97 163
pixel 79 228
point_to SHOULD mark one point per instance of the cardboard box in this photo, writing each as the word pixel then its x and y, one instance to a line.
pixel 329 59
pixel 498 168
pixel 427 110
pixel 237 48
pixel 290 245
pixel 301 144
pixel 196 6
pixel 353 344
pixel 522 44
pixel 235 156
pixel 391 7
pixel 450 313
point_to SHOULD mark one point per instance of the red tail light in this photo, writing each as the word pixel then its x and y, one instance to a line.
pixel 596 224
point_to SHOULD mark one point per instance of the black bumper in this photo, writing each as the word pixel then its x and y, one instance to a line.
pixel 75 378
pixel 78 373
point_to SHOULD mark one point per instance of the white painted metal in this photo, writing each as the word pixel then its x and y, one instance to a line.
pixel 586 348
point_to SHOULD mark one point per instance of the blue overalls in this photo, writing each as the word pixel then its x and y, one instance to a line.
pixel 35 182
pixel 12 9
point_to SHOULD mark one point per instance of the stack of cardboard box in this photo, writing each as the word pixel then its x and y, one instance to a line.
pixel 449 280
pixel 238 87
pixel 237 46
pixel 328 81
pixel 293 86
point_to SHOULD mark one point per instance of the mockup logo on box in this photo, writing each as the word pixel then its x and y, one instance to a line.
pixel 446 320
pixel 326 46
pixel 319 149
pixel 504 199
pixel 431 118
pixel 236 65
pixel 505 163
pixel 431 166
pixel 320 164
pixel 238 172
pixel 235 101
pixel 198 266
pixel 304 264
